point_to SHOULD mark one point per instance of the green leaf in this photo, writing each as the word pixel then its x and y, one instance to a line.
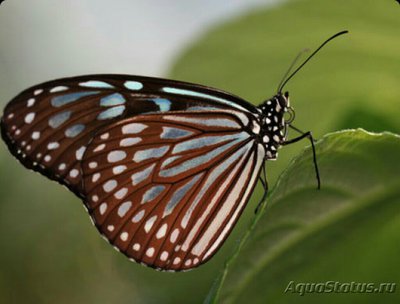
pixel 347 232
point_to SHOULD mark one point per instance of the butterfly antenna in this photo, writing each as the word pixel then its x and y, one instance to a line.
pixel 291 67
pixel 309 57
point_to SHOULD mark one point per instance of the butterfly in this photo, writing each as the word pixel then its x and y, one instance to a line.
pixel 164 167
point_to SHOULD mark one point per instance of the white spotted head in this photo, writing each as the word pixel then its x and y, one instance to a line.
pixel 276 115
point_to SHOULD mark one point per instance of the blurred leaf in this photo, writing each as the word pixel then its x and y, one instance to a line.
pixel 362 116
pixel 348 231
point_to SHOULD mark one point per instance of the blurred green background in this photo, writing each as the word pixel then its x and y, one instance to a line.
pixel 51 253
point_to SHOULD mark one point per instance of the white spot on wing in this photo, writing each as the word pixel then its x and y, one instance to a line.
pixel 127 142
pixel 110 228
pixel 136 247
pixel 111 113
pixel 188 262
pixel 124 208
pixel 138 216
pixel 116 156
pixel 93 165
pixel 99 147
pixel 79 153
pixel 74 130
pixel 58 119
pixel 119 169
pixel 103 208
pixel 150 252
pixel 133 85
pixel 164 256
pixel 133 128
pixel 146 154
pixel 35 135
pixel 58 89
pixel 53 145
pixel 174 235
pixel 162 231
pixel 124 236
pixel 149 223
pixel 105 136
pixel 95 177
pixel 96 84
pixel 37 92
pixel 30 102
pixel 74 173
pixel 29 117
pixel 121 193
pixel 110 185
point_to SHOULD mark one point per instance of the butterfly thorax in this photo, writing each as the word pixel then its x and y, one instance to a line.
pixel 273 124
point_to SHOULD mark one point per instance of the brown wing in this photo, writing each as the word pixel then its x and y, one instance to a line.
pixel 167 189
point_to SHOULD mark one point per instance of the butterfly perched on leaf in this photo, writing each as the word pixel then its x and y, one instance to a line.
pixel 164 168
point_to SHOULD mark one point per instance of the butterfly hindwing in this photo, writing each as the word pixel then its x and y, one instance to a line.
pixel 166 188
pixel 48 127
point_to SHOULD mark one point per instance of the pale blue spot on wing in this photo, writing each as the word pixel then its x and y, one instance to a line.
pixel 163 104
pixel 204 141
pixel 203 95
pixel 140 176
pixel 152 193
pixel 170 160
pixel 111 113
pixel 201 108
pixel 150 153
pixel 96 84
pixel 213 176
pixel 74 130
pixel 57 120
pixel 133 85
pixel 112 100
pixel 180 193
pixel 209 122
pixel 202 159
pixel 174 133
pixel 62 100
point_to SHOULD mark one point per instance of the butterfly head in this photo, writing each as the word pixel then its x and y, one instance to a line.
pixel 276 115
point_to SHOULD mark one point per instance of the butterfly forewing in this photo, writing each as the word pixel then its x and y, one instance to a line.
pixel 166 189
pixel 48 127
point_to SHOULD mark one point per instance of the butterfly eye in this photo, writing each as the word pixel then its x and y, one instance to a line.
pixel 289 115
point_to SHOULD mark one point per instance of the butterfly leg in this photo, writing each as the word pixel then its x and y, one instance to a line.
pixel 264 183
pixel 310 137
